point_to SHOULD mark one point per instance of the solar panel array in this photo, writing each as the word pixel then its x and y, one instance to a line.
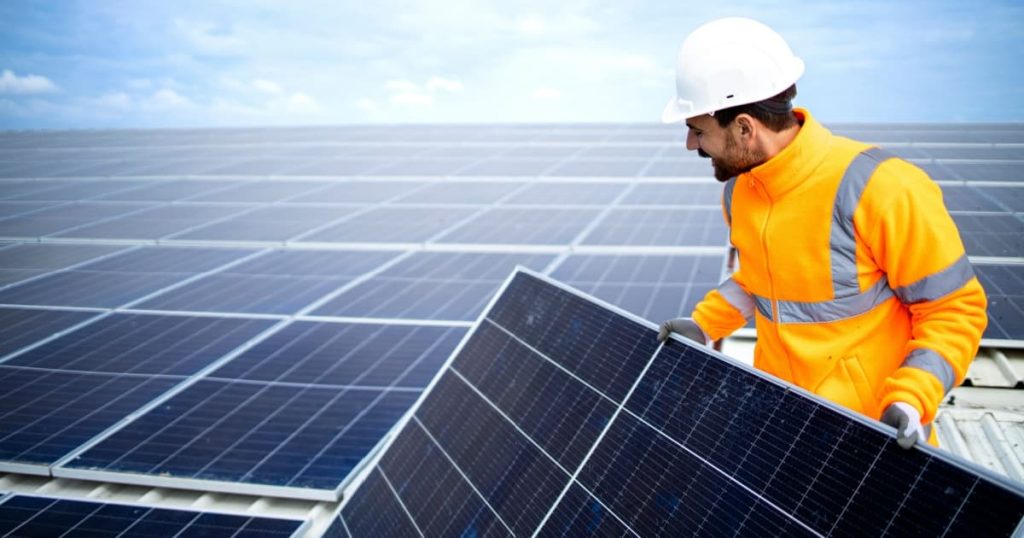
pixel 573 421
pixel 251 310
pixel 27 515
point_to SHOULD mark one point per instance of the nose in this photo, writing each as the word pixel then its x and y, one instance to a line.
pixel 691 140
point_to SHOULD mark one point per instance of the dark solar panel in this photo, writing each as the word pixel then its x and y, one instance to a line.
pixel 257 294
pixel 580 193
pixel 660 227
pixel 391 225
pixel 966 198
pixel 441 286
pixel 45 414
pixel 275 223
pixel 675 194
pixel 303 437
pixel 572 419
pixel 347 354
pixel 1012 198
pixel 25 515
pixel 991 235
pixel 653 287
pixel 168 191
pixel 88 288
pixel 37 256
pixel 143 344
pixel 22 327
pixel 523 226
pixel 1004 287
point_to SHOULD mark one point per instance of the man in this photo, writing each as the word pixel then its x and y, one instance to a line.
pixel 849 261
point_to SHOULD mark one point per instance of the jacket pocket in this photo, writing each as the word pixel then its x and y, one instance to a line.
pixel 848 386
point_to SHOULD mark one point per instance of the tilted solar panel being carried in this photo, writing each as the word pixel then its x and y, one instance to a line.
pixel 573 421
pixel 34 516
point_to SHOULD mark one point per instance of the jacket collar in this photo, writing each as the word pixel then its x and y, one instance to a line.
pixel 795 163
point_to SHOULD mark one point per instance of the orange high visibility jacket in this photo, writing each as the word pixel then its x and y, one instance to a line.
pixel 854 272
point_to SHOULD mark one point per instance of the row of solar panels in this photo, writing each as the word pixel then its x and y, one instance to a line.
pixel 37 517
pixel 396 166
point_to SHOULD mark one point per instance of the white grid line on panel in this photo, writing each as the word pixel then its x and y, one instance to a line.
pixel 455 466
pixel 659 431
pixel 68 268
pixel 394 493
pixel 856 490
pixel 541 449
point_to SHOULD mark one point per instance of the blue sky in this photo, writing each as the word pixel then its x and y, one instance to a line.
pixel 104 63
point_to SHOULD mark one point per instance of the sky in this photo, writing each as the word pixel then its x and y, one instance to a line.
pixel 213 63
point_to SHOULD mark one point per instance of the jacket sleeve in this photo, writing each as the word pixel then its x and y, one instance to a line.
pixel 916 243
pixel 729 306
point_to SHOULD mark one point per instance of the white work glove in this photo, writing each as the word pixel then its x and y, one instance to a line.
pixel 685 327
pixel 907 421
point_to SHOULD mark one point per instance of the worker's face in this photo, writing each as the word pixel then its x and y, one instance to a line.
pixel 729 157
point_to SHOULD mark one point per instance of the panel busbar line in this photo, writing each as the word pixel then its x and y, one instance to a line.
pixel 560 416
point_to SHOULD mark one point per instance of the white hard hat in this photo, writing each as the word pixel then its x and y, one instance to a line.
pixel 729 62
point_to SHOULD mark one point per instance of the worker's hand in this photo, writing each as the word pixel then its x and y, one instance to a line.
pixel 907 421
pixel 685 327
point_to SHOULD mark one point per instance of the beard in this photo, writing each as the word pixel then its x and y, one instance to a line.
pixel 734 160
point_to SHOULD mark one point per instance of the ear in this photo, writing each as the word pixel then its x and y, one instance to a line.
pixel 745 127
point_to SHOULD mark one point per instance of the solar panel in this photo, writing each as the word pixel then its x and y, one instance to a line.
pixel 572 419
pixel 705 193
pixel 30 515
pixel 523 226
pixel 1004 287
pixel 559 193
pixel 660 227
pixel 21 327
pixel 392 225
pixel 991 235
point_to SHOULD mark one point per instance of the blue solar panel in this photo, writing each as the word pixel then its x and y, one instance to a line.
pixel 391 225
pixel 37 256
pixel 1004 288
pixel 661 227
pixel 347 354
pixel 32 516
pixel 523 226
pixel 287 222
pixel 576 193
pixel 653 287
pixel 573 421
pixel 707 193
pixel 991 235
pixel 246 293
pixel 45 414
pixel 144 344
pixel 306 438
pixel 439 286
pixel 21 327
pixel 88 288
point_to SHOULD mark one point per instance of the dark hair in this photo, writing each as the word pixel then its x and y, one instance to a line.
pixel 776 113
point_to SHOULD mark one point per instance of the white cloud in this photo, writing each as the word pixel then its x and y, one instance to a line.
pixel 267 86
pixel 531 25
pixel 367 105
pixel 546 94
pixel 412 99
pixel 166 99
pixel 300 103
pixel 439 83
pixel 408 93
pixel 11 83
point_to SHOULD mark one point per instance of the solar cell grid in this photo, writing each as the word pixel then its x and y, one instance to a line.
pixel 10 209
pixel 347 354
pixel 523 226
pixel 595 168
pixel 22 327
pixel 257 294
pixel 987 171
pixel 277 223
pixel 1011 198
pixel 660 227
pixel 568 193
pixel 701 446
pixel 36 256
pixel 143 344
pixel 1004 288
pixel 263 191
pixel 675 194
pixel 47 414
pixel 286 436
pixel 168 191
pixel 391 225
pixel 678 168
pixel 25 515
pixel 360 192
pixel 88 288
pixel 991 235
pixel 461 193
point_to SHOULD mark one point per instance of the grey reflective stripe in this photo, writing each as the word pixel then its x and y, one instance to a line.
pixel 737 297
pixel 843 242
pixel 836 309
pixel 937 285
pixel 933 363
pixel 727 199
pixel 764 306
